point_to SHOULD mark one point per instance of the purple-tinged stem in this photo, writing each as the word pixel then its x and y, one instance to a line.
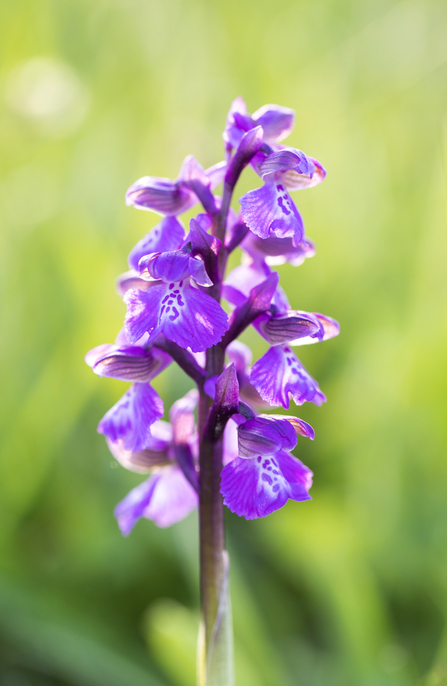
pixel 211 516
pixel 211 523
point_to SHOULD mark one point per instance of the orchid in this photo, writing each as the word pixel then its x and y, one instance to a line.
pixel 218 448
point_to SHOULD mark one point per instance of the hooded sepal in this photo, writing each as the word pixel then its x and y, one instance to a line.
pixel 330 328
pixel 128 363
pixel 289 326
pixel 287 159
pixel 265 435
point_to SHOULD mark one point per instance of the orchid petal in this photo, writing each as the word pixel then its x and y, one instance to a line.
pixel 265 435
pixel 166 235
pixel 279 373
pixel 95 354
pixel 270 210
pixel 276 121
pixel 295 181
pixel 184 314
pixel 131 363
pixel 131 509
pixel 168 266
pixel 258 486
pixel 173 498
pixel 330 327
pixel 290 326
pixel 276 251
pixel 143 461
pixel 131 279
pixel 287 159
pixel 130 419
pixel 160 195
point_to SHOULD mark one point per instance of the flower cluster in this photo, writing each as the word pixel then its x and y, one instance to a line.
pixel 173 292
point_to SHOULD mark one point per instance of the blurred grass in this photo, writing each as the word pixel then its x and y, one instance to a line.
pixel 349 589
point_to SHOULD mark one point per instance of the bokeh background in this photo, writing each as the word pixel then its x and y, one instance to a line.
pixel 351 588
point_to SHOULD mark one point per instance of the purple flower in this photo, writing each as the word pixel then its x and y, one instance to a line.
pixel 166 235
pixel 184 314
pixel 265 435
pixel 131 418
pixel 280 324
pixel 258 486
pixel 279 373
pixel 174 265
pixel 127 362
pixel 173 292
pixel 175 197
pixel 166 498
pixel 241 280
pixel 270 211
pixel 170 493
pixel 241 356
pixel 276 251
pixel 277 122
pixel 292 167
pixel 172 306
pixel 265 475
pixel 157 453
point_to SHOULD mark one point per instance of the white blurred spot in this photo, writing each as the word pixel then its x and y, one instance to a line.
pixel 49 93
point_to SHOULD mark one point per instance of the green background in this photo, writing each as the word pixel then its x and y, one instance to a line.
pixel 349 589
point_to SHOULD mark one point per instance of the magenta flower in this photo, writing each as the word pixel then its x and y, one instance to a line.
pixel 131 418
pixel 172 198
pixel 264 475
pixel 172 305
pixel 277 122
pixel 279 374
pixel 269 210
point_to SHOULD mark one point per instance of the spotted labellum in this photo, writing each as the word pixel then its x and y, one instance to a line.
pixel 220 446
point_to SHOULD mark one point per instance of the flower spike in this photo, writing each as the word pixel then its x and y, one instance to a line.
pixel 216 448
